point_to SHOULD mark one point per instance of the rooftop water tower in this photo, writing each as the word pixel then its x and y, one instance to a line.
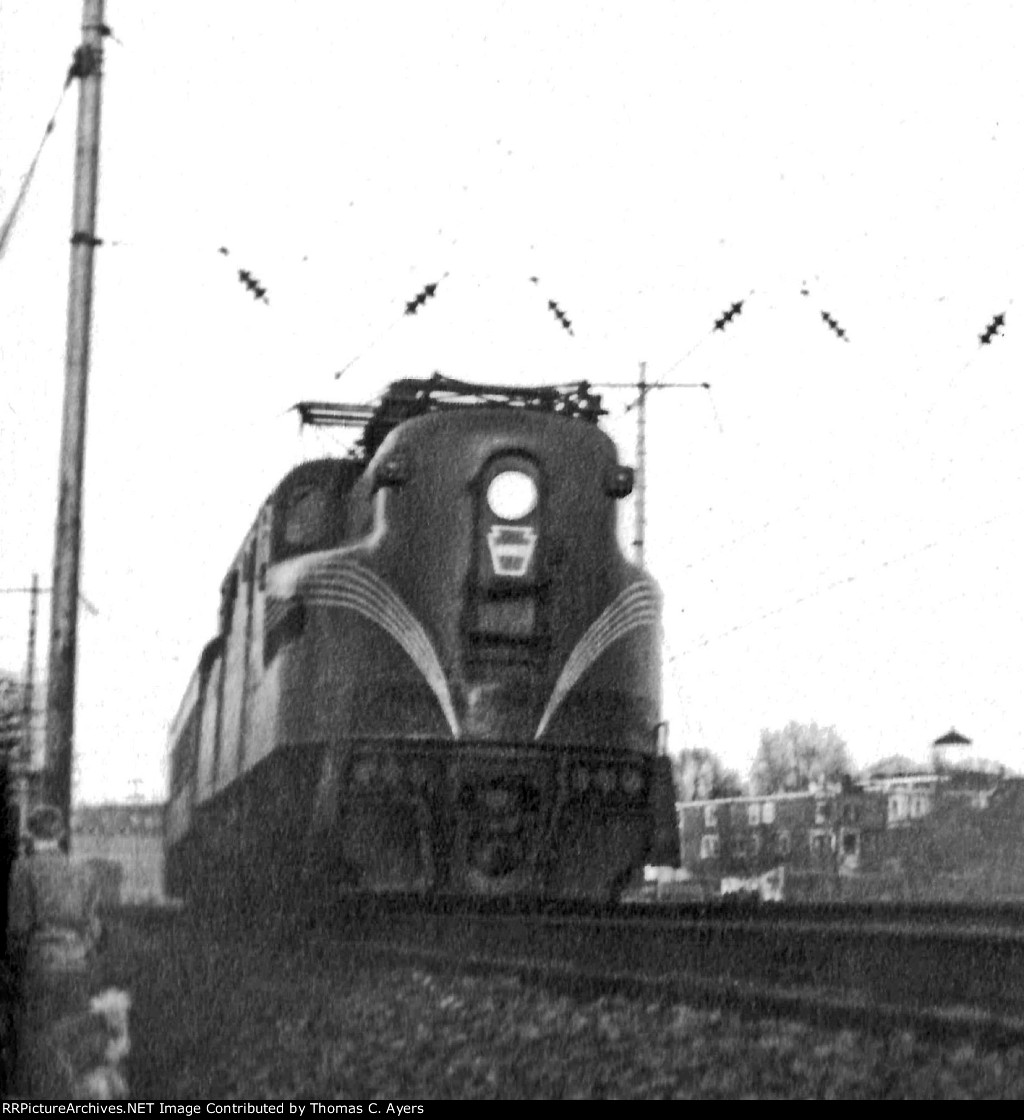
pixel 942 748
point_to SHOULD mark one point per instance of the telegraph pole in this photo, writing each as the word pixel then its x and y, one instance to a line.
pixel 643 387
pixel 60 694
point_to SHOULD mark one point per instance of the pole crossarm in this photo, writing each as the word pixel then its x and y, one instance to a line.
pixel 648 385
pixel 90 607
pixel 643 387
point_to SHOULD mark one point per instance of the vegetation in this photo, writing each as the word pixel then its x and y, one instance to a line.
pixel 11 702
pixel 798 757
pixel 271 1015
pixel 700 775
pixel 894 766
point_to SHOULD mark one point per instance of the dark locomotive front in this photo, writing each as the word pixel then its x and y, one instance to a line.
pixel 447 675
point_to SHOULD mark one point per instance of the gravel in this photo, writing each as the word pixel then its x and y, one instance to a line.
pixel 303 1018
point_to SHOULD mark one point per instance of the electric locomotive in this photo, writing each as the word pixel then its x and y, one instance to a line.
pixel 435 671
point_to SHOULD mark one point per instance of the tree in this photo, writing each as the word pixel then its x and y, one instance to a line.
pixel 797 757
pixel 11 721
pixel 701 776
pixel 974 766
pixel 894 766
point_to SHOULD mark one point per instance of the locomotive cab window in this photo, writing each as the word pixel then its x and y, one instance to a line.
pixel 308 511
pixel 228 595
pixel 304 518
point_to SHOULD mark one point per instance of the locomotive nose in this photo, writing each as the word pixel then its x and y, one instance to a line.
pixel 498 820
pixel 496 860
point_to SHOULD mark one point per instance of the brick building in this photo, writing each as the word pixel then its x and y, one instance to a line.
pixel 124 836
pixel 934 835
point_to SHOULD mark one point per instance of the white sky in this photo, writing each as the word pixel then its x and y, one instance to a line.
pixel 650 163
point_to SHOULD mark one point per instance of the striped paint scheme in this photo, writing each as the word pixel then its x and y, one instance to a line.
pixel 345 584
pixel 635 607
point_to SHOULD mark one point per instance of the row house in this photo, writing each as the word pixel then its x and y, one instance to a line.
pixel 824 831
pixel 885 825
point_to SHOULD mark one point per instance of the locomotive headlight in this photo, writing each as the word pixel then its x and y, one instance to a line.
pixel 512 495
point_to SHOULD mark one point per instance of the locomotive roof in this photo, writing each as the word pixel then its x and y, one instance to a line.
pixel 411 397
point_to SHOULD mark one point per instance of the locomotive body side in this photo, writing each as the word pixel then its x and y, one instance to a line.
pixel 427 685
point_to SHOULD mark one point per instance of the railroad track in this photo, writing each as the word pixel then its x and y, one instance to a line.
pixel 930 969
pixel 934 969
pixel 384 997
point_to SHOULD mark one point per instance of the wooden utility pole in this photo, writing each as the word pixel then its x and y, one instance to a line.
pixel 60 693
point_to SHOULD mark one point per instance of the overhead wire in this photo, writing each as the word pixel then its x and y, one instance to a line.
pixel 393 321
pixel 845 581
pixel 7 227
pixel 830 566
pixel 805 502
pixel 664 375
pixel 808 497
pixel 718 325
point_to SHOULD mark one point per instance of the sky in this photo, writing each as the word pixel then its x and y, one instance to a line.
pixel 837 525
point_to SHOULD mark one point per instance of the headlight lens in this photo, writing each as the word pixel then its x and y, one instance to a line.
pixel 512 495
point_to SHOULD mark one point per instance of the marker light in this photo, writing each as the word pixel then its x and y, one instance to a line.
pixel 512 495
pixel 632 781
pixel 580 778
